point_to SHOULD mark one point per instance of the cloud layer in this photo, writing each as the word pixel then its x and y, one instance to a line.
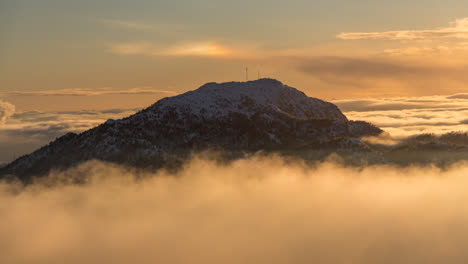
pixel 457 29
pixel 407 116
pixel 6 110
pixel 26 131
pixel 260 210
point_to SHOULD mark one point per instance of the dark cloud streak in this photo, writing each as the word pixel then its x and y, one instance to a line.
pixel 88 92
pixel 374 72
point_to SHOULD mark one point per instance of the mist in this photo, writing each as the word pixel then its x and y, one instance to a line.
pixel 255 210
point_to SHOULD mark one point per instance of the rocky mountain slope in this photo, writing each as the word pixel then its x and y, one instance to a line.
pixel 235 117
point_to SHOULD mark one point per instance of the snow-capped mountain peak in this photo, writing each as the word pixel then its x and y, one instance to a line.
pixel 235 117
pixel 215 100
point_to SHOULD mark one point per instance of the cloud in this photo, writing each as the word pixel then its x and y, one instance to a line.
pixel 24 132
pixel 196 49
pixel 199 49
pixel 388 76
pixel 396 104
pixel 258 210
pixel 457 29
pixel 433 49
pixel 6 110
pixel 459 96
pixel 47 130
pixel 68 121
pixel 361 67
pixel 88 92
pixel 406 116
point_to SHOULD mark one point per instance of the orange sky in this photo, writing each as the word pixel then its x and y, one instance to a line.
pixel 97 55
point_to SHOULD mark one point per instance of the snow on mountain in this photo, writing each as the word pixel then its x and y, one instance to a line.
pixel 215 100
pixel 234 117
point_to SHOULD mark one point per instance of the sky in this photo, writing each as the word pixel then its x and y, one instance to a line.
pixel 68 65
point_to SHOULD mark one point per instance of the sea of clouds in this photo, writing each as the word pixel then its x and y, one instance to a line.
pixel 407 116
pixel 23 132
pixel 256 210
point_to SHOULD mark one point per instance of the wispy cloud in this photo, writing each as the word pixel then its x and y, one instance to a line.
pixel 199 49
pixel 195 49
pixel 418 50
pixel 210 48
pixel 88 92
pixel 6 110
pixel 457 29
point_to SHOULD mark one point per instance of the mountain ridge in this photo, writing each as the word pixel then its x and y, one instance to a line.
pixel 234 117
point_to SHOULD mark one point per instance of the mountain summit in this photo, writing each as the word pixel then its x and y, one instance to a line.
pixel 214 100
pixel 234 117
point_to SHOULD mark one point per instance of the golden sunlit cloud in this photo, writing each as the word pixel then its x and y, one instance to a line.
pixel 199 49
pixel 202 49
pixel 457 29
pixel 443 49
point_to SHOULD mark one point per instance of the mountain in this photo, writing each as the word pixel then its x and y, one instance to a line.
pixel 234 117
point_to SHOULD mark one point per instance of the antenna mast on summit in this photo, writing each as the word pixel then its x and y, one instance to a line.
pixel 246 73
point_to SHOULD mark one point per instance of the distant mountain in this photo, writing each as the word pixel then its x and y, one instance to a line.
pixel 234 117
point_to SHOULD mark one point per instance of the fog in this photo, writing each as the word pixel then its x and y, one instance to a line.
pixel 256 210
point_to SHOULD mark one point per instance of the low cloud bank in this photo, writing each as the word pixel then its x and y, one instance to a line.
pixel 25 132
pixel 258 210
pixel 407 116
